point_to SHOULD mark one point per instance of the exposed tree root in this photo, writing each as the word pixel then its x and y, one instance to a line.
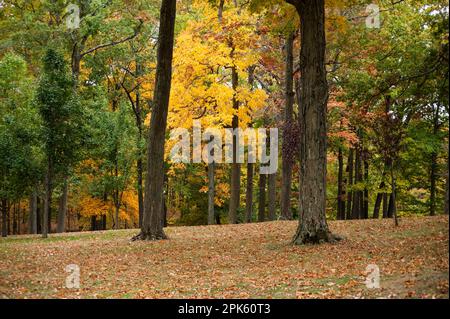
pixel 318 237
pixel 149 236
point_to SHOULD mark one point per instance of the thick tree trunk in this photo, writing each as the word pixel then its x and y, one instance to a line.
pixel 350 184
pixel 341 187
pixel 312 226
pixel 211 193
pixel 262 197
pixel 154 184
pixel 32 223
pixel 272 195
pixel 287 162
pixel 62 211
pixel 249 194
pixel 235 182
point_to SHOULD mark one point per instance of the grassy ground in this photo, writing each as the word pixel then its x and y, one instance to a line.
pixel 234 261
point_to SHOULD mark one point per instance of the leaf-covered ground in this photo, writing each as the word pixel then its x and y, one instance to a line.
pixel 234 261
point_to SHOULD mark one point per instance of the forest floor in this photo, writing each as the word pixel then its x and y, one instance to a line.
pixel 234 261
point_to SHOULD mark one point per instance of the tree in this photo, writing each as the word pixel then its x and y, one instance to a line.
pixel 154 184
pixel 313 226
pixel 57 106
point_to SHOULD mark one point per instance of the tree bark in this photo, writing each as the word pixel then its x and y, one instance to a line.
pixel 154 184
pixel 356 209
pixel 350 184
pixel 262 197
pixel 32 224
pixel 379 199
pixel 46 214
pixel 341 187
pixel 235 182
pixel 249 194
pixel 272 195
pixel 434 166
pixel 446 205
pixel 287 162
pixel 312 226
pixel 366 190
pixel 4 218
pixel 62 211
pixel 211 193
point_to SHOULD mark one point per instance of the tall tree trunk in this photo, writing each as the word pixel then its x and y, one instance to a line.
pixel 379 199
pixel 139 164
pixel 341 187
pixel 4 217
pixel 62 211
pixel 350 184
pixel 394 190
pixel 272 195
pixel 366 190
pixel 93 222
pixel 46 214
pixel 357 193
pixel 446 206
pixel 312 226
pixel 235 182
pixel 262 197
pixel 32 223
pixel 287 162
pixel 249 194
pixel 39 210
pixel 154 184
pixel 434 166
pixel 211 193
pixel 386 198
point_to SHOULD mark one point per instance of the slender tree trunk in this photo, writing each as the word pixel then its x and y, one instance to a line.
pixel 272 195
pixel 366 190
pixel 154 184
pixel 386 198
pixel 350 184
pixel 211 193
pixel 235 182
pixel 434 166
pixel 394 190
pixel 312 226
pixel 379 199
pixel 249 194
pixel 446 206
pixel 287 162
pixel 39 210
pixel 4 218
pixel 357 193
pixel 262 197
pixel 341 187
pixel 93 222
pixel 46 216
pixel 62 212
pixel 32 226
